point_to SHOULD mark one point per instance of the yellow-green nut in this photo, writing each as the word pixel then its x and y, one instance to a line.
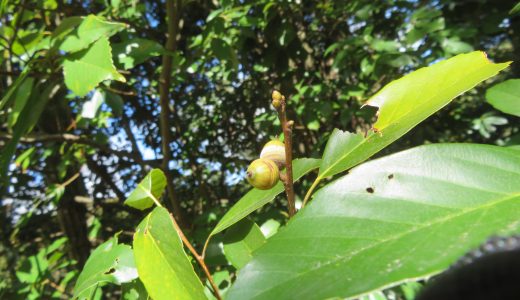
pixel 277 98
pixel 263 174
pixel 275 151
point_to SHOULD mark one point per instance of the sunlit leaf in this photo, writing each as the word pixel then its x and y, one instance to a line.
pixel 162 264
pixel 406 102
pixel 150 188
pixel 109 262
pixel 84 70
pixel 78 33
pixel 402 217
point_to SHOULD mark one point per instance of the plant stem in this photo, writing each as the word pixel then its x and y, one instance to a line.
pixel 288 178
pixel 186 242
pixel 173 8
pixel 309 192
pixel 199 258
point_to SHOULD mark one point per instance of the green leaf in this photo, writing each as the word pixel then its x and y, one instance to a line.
pixel 13 87
pixel 150 188
pixel 21 96
pixel 90 29
pixel 26 121
pixel 340 143
pixel 109 262
pixel 256 198
pixel 406 102
pixel 515 9
pixel 240 241
pixel 162 264
pixel 134 290
pixel 84 70
pixel 395 219
pixel 136 51
pixel 505 96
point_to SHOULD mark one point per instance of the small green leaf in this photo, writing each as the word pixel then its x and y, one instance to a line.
pixel 240 241
pixel 84 70
pixel 136 51
pixel 256 198
pixel 150 188
pixel 505 96
pixel 395 219
pixel 90 29
pixel 162 264
pixel 109 262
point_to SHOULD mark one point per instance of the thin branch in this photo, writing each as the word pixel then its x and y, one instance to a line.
pixel 200 259
pixel 280 104
pixel 75 139
pixel 173 8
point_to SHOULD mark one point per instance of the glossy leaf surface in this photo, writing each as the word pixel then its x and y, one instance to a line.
pixel 398 218
pixel 406 102
pixel 163 266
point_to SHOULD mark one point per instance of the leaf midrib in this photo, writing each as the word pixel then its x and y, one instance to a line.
pixel 392 238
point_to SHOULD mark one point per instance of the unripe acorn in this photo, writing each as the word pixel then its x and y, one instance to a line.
pixel 275 151
pixel 263 174
pixel 277 98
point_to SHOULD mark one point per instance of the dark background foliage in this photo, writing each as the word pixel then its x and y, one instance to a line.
pixel 64 190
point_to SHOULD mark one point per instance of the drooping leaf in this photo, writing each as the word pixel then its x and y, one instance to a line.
pixel 84 70
pixel 13 87
pixel 406 102
pixel 27 120
pixel 152 186
pixel 79 33
pixel 162 264
pixel 505 96
pixel 240 241
pixel 401 217
pixel 256 198
pixel 110 262
pixel 21 96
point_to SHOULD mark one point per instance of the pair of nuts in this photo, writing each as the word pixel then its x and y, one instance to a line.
pixel 264 173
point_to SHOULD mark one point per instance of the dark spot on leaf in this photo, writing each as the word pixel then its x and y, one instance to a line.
pixel 110 271
pixel 390 176
pixel 370 190
pixel 145 231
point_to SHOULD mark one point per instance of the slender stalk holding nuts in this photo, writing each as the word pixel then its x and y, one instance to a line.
pixel 278 101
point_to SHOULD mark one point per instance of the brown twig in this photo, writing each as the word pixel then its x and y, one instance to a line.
pixel 280 104
pixel 198 257
pixel 173 8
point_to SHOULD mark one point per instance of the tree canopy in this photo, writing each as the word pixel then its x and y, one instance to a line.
pixel 96 94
